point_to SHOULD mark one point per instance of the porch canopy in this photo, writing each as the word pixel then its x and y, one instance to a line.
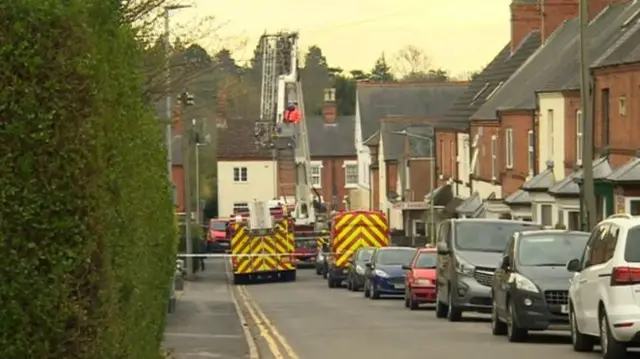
pixel 472 207
pixel 603 187
pixel 541 201
pixel 519 203
pixel 625 181
pixel 440 196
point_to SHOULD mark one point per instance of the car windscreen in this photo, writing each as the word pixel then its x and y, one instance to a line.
pixel 540 250
pixel 395 256
pixel 426 260
pixel 218 226
pixel 488 236
pixel 364 254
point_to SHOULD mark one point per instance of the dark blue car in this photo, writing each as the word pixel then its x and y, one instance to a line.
pixel 384 274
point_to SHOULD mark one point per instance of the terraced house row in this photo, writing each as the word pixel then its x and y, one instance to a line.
pixel 526 133
pixel 509 143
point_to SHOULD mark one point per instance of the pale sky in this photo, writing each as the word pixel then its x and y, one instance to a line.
pixel 458 35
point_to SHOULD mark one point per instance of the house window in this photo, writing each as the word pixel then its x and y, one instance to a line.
pixel 465 158
pixel 622 106
pixel 546 215
pixel 579 138
pixel 442 155
pixel 509 149
pixel 606 123
pixel 240 207
pixel 350 174
pixel 531 153
pixel 240 174
pixel 550 125
pixel 573 220
pixel 419 228
pixel 632 206
pixel 453 159
pixel 316 175
pixel 494 90
pixel 494 155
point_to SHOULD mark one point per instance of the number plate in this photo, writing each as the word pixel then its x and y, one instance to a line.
pixel 564 309
pixel 399 286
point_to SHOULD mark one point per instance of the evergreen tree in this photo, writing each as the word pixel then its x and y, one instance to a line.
pixel 381 71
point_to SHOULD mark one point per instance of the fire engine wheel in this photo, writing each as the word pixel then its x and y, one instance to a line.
pixel 290 276
pixel 240 279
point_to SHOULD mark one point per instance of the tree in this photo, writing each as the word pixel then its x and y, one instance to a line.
pixel 360 75
pixel 345 92
pixel 315 78
pixel 81 156
pixel 412 62
pixel 381 71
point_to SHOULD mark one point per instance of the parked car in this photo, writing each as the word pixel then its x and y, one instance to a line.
pixel 384 274
pixel 420 278
pixel 358 267
pixel 605 290
pixel 469 251
pixel 530 289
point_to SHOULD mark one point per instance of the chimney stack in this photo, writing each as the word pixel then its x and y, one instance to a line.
pixel 221 109
pixel 547 15
pixel 329 107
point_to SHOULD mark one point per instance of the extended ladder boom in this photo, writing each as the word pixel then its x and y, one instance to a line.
pixel 281 86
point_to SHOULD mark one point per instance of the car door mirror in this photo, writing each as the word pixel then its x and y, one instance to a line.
pixel 573 265
pixel 368 265
pixel 506 263
pixel 406 267
pixel 442 249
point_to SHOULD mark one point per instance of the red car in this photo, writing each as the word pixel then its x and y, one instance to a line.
pixel 217 240
pixel 420 279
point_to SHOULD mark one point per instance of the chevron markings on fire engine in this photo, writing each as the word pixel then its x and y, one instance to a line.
pixel 228 255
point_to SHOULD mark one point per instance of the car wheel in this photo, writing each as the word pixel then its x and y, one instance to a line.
pixel 367 291
pixel 406 298
pixel 454 314
pixel 349 285
pixel 498 327
pixel 515 334
pixel 611 348
pixel 330 281
pixel 374 292
pixel 441 308
pixel 580 342
pixel 413 304
pixel 318 270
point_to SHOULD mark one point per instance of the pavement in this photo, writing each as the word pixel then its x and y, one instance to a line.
pixel 206 323
pixel 307 320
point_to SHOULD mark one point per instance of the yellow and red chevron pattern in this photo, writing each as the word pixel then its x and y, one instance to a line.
pixel 355 229
pixel 258 254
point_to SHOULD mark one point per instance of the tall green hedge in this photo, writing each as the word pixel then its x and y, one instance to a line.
pixel 86 219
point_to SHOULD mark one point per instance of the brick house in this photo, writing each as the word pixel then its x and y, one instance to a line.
pixel 375 101
pixel 616 83
pixel 334 166
pixel 506 123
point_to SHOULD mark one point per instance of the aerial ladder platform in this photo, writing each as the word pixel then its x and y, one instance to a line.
pixel 289 142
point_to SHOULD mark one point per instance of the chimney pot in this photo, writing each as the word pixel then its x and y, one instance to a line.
pixel 549 164
pixel 329 107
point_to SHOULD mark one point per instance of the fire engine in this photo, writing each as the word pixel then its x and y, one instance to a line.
pixel 262 244
pixel 289 142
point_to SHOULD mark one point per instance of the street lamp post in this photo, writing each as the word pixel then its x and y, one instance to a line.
pixel 432 169
pixel 167 69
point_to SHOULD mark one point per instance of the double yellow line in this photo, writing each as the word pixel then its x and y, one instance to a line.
pixel 277 344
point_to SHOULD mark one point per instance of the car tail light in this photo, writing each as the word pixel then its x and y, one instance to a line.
pixel 625 276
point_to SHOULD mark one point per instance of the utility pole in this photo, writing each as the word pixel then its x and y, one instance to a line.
pixel 589 200
pixel 168 103
pixel 187 100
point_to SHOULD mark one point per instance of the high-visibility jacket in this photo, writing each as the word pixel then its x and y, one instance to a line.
pixel 293 116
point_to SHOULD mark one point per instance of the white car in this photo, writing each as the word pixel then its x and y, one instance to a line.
pixel 605 289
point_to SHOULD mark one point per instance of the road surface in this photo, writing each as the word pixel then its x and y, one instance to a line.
pixel 307 320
